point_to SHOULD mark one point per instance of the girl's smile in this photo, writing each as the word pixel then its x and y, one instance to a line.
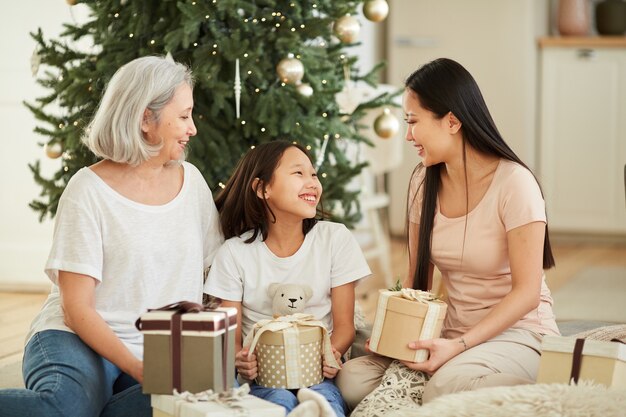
pixel 309 198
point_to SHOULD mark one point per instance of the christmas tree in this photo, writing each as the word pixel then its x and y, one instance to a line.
pixel 264 69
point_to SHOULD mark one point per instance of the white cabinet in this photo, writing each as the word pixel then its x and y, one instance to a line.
pixel 582 135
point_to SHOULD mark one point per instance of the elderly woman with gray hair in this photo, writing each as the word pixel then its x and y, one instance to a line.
pixel 133 231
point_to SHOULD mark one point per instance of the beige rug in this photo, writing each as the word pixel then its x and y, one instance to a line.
pixel 596 294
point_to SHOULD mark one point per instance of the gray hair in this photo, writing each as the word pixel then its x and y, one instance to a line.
pixel 144 83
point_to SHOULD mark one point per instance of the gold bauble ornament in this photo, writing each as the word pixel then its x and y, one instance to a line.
pixel 386 125
pixel 305 89
pixel 290 70
pixel 53 150
pixel 347 29
pixel 376 10
pixel 71 2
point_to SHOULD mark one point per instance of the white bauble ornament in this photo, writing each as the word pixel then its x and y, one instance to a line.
pixel 347 29
pixel 290 70
pixel 386 125
pixel 305 89
pixel 53 150
pixel 376 10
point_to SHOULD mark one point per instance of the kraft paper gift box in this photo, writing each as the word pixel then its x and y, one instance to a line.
pixel 565 359
pixel 188 348
pixel 406 316
pixel 234 402
pixel 289 351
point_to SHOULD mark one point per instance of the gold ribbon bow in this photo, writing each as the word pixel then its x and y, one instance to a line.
pixel 290 325
pixel 417 295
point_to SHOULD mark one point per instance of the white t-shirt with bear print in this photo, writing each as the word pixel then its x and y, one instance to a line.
pixel 329 257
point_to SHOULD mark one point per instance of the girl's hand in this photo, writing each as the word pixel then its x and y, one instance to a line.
pixel 329 372
pixel 441 351
pixel 247 368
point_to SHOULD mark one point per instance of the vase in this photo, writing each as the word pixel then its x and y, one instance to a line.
pixel 611 17
pixel 573 18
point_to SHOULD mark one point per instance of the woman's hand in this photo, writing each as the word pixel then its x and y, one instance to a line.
pixel 367 348
pixel 247 368
pixel 441 351
pixel 329 372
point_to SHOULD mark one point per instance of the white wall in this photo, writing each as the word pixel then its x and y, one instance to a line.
pixel 371 50
pixel 24 242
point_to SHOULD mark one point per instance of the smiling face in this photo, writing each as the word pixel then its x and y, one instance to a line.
pixel 431 136
pixel 294 190
pixel 174 126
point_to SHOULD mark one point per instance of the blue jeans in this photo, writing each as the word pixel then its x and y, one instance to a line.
pixel 287 398
pixel 65 377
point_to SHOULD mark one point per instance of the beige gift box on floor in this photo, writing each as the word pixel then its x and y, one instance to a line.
pixel 236 402
pixel 195 355
pixel 402 317
pixel 289 351
pixel 601 362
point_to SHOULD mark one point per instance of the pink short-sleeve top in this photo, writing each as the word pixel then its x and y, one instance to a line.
pixel 473 258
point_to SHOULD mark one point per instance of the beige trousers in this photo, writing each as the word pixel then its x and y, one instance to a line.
pixel 511 358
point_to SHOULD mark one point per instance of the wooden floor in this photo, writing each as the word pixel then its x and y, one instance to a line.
pixel 16 313
pixel 17 310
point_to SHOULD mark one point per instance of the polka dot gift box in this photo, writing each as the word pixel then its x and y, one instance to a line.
pixel 290 351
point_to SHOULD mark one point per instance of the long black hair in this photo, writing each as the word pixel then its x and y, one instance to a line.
pixel 239 205
pixel 445 86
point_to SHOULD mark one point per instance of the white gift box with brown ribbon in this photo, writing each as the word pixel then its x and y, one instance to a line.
pixel 230 403
pixel 406 316
pixel 567 359
pixel 290 350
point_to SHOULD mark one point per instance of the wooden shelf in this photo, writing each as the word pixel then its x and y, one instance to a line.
pixel 583 41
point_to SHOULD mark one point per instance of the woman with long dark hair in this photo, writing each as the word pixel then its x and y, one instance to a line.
pixel 476 212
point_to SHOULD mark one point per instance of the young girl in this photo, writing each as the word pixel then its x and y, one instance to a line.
pixel 267 212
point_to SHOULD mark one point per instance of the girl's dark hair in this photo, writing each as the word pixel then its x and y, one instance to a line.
pixel 238 203
pixel 444 86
